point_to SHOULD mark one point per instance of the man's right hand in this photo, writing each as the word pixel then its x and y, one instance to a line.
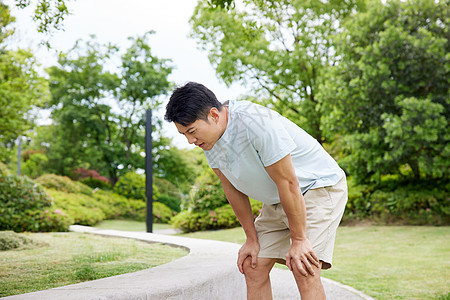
pixel 250 248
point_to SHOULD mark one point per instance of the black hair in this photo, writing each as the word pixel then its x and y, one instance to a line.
pixel 190 103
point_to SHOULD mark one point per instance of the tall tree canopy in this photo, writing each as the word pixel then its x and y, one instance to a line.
pixel 21 88
pixel 280 48
pixel 100 113
pixel 389 91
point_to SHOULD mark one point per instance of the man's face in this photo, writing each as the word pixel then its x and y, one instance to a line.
pixel 202 133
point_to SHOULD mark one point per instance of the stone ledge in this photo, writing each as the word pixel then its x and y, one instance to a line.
pixel 207 272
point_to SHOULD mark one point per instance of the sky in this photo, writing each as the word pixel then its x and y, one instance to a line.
pixel 115 20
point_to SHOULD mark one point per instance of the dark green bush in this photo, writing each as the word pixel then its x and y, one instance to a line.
pixel 219 218
pixel 172 202
pixel 93 182
pixel 64 184
pixel 25 206
pixel 10 240
pixel 408 203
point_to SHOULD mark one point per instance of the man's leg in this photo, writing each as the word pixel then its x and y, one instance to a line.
pixel 310 287
pixel 257 279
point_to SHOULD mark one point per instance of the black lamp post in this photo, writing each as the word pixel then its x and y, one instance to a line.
pixel 149 170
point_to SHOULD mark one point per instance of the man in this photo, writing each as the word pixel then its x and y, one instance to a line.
pixel 258 153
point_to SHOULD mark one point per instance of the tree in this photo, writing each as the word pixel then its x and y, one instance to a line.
pixel 21 88
pixel 48 13
pixel 279 48
pixel 388 94
pixel 100 114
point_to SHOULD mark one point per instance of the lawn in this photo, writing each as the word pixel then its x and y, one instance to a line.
pixel 67 258
pixel 398 262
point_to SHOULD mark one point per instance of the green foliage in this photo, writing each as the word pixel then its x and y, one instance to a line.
pixel 172 202
pixel 409 203
pixel 87 131
pixel 63 183
pixel 25 206
pixel 10 240
pixel 161 213
pixel 21 88
pixel 119 207
pixel 131 185
pixel 278 48
pixel 49 14
pixel 389 92
pixel 219 218
pixel 34 165
pixel 95 183
pixel 80 207
pixel 207 193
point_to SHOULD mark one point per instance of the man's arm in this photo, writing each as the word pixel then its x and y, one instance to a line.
pixel 300 254
pixel 243 210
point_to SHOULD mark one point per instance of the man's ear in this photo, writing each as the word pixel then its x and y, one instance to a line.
pixel 214 113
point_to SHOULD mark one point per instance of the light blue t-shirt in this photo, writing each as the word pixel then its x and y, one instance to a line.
pixel 257 137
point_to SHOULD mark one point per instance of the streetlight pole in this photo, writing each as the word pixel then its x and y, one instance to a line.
pixel 149 170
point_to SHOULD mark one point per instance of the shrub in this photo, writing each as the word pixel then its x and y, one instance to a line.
pixel 121 207
pixel 92 178
pixel 131 185
pixel 63 183
pixel 409 203
pixel 10 240
pixel 3 169
pixel 25 206
pixel 93 182
pixel 219 218
pixel 207 193
pixel 173 203
pixel 84 210
pixel 161 213
pixel 34 163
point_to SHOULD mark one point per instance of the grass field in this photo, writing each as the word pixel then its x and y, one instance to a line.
pixel 384 262
pixel 73 257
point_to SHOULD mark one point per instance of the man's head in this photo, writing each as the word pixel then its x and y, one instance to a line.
pixel 190 103
pixel 197 114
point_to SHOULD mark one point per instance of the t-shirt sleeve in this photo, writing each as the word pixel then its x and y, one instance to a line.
pixel 270 138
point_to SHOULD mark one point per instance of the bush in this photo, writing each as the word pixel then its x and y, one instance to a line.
pixel 219 218
pixel 10 240
pixel 120 207
pixel 25 206
pixel 63 183
pixel 173 203
pixel 161 213
pixel 92 178
pixel 207 193
pixel 408 203
pixel 34 163
pixel 131 185
pixel 84 210
pixel 93 182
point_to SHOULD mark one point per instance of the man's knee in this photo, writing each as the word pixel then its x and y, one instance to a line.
pixel 256 275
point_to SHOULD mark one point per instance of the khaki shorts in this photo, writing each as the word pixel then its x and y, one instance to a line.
pixel 324 209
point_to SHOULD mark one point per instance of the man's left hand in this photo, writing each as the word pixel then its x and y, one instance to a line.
pixel 301 256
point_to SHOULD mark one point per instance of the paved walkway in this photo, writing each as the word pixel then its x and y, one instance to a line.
pixel 285 288
pixel 207 272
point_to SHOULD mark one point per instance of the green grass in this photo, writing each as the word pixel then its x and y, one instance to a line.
pixel 73 257
pixel 398 262
pixel 128 225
